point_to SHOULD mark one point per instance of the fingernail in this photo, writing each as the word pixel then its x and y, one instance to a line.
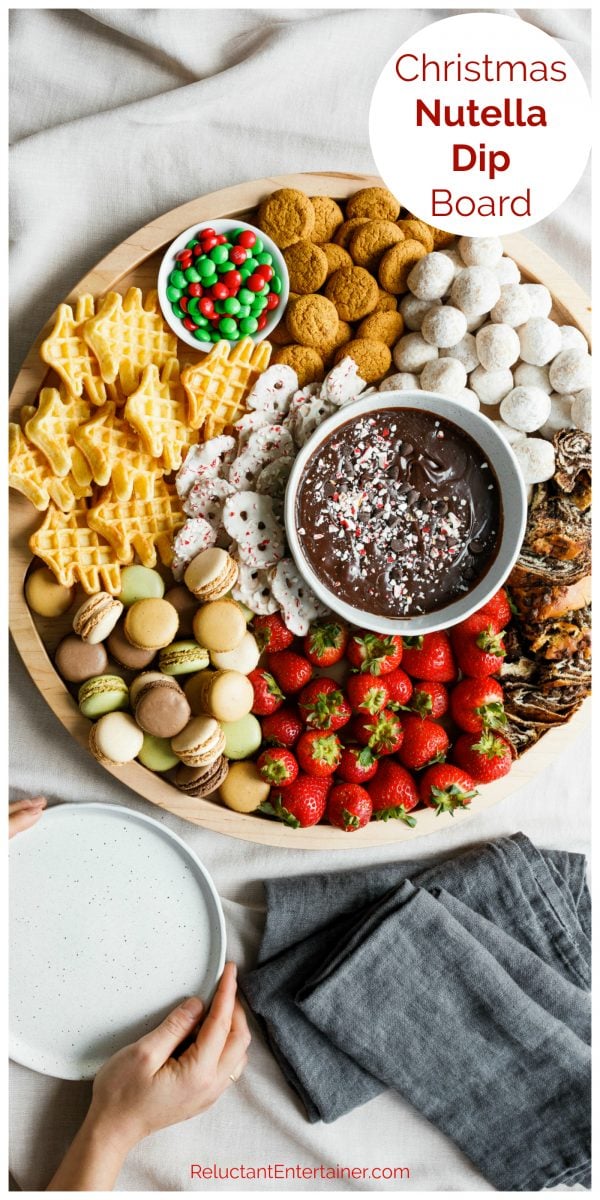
pixel 193 1005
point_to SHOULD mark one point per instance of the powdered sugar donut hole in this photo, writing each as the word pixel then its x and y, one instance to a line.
pixel 475 291
pixel 431 276
pixel 540 341
pixel 497 346
pixel 509 434
pixel 412 353
pixel 475 322
pixel 465 351
pixel 536 459
pixel 513 307
pixel 525 408
pixel 581 410
pixel 539 298
pixel 491 386
pixel 468 399
pixel 507 271
pixel 480 252
pixel 560 415
pixel 444 326
pixel 571 371
pixel 572 338
pixel 455 259
pixel 526 374
pixel 402 381
pixel 446 376
pixel 414 310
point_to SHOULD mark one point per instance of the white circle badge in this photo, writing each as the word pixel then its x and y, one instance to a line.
pixel 481 124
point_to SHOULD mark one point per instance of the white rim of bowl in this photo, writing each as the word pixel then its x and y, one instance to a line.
pixel 512 493
pixel 167 265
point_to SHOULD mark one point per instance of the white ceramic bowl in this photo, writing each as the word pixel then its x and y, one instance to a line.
pixel 513 498
pixel 222 225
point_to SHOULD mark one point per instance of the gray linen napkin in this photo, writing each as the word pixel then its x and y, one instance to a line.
pixel 464 986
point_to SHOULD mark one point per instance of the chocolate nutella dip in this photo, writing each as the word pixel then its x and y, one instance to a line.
pixel 398 512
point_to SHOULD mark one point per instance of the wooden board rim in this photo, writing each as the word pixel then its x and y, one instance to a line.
pixel 124 258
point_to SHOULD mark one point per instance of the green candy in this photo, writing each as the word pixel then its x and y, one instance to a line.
pixel 210 280
pixel 257 307
pixel 178 311
pixel 192 275
pixel 248 325
pixel 244 310
pixel 219 254
pixel 102 694
pixel 245 272
pixel 276 285
pixel 177 279
pixel 234 337
pixel 215 337
pixel 232 306
pixel 236 233
pixel 202 335
pixel 228 326
pixel 224 266
pixel 156 753
pixel 258 247
pixel 265 260
pixel 173 294
pixel 220 307
pixel 251 264
pixel 193 305
pixel 245 296
pixel 190 245
pixel 205 266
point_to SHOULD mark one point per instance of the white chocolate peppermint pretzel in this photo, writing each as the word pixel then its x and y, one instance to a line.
pixel 251 520
pixel 298 604
pixel 264 446
pixel 273 391
pixel 201 462
pixel 193 537
pixel 253 589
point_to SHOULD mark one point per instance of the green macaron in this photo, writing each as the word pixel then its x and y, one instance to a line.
pixel 243 737
pixel 181 658
pixel 156 753
pixel 102 694
pixel 140 583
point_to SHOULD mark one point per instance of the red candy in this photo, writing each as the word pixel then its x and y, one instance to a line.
pixel 266 271
pixel 208 244
pixel 238 255
pixel 219 291
pixel 207 307
pixel 272 301
pixel 255 282
pixel 198 250
pixel 262 320
pixel 221 239
pixel 247 239
pixel 232 280
pixel 208 232
pixel 195 289
pixel 183 255
pixel 183 302
pixel 189 324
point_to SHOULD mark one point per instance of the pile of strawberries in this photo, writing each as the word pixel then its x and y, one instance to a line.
pixel 399 730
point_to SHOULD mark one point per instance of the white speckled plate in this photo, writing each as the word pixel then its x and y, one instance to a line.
pixel 113 921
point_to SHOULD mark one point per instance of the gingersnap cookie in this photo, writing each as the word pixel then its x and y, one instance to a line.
pixel 376 203
pixel 328 218
pixel 384 327
pixel 307 266
pixel 419 230
pixel 312 321
pixel 386 302
pixel 342 235
pixel 305 361
pixel 343 335
pixel 373 359
pixel 397 263
pixel 280 335
pixel 336 257
pixel 441 239
pixel 369 242
pixel 353 291
pixel 286 216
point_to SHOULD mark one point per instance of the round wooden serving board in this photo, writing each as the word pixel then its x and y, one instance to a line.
pixel 135 262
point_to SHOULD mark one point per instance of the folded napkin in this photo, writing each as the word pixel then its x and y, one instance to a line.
pixel 464 986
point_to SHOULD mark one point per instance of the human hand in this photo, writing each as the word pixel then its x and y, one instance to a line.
pixel 142 1088
pixel 22 814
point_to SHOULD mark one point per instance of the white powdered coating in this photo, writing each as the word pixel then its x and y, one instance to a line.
pixel 412 352
pixel 446 376
pixel 560 416
pixel 475 291
pixel 540 298
pixel 509 434
pixel 581 410
pixel 536 458
pixel 571 371
pixel 526 374
pixel 402 381
pixel 540 341
pixel 513 307
pixel 480 252
pixel 525 408
pixel 431 276
pixel 455 259
pixel 475 322
pixel 572 338
pixel 444 327
pixel 465 351
pixel 468 399
pixel 491 386
pixel 507 271
pixel 497 346
pixel 414 310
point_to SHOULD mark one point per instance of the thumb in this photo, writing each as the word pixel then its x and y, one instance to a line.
pixel 161 1042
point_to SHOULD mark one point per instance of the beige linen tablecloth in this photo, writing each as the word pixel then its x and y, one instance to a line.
pixel 117 116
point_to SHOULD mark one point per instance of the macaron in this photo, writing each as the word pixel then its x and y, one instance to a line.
pixel 201 781
pixel 220 625
pixel 46 596
pixel 151 624
pixel 77 661
pixel 102 694
pixel 242 737
pixel 97 617
pixel 211 574
pixel 243 659
pixel 243 790
pixel 156 753
pixel 119 647
pixel 115 739
pixel 201 742
pixel 159 704
pixel 226 695
pixel 181 658
pixel 140 583
pixel 186 606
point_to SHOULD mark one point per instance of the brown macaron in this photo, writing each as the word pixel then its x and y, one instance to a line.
pixel 120 649
pixel 77 661
pixel 159 704
pixel 201 781
pixel 185 606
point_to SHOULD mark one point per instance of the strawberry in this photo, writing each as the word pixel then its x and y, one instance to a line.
pixel 425 742
pixel 282 728
pixel 325 643
pixel 429 657
pixel 393 793
pixel 486 760
pixel 377 653
pixel 318 753
pixel 277 767
pixel 498 610
pixel 271 633
pixel 300 805
pixel 399 687
pixel 477 704
pixel 291 670
pixel 429 699
pixel 322 704
pixel 357 764
pixel 479 648
pixel 349 807
pixel 382 733
pixel 446 788
pixel 367 693
pixel 268 697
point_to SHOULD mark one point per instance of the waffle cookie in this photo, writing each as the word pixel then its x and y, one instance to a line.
pixel 30 474
pixel 113 450
pixel 74 552
pixel 51 428
pixel 157 410
pixel 216 387
pixel 127 335
pixel 69 355
pixel 143 526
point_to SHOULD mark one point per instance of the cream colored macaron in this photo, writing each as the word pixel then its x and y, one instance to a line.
pixel 200 743
pixel 243 659
pixel 226 695
pixel 220 625
pixel 243 790
pixel 97 617
pixel 211 574
pixel 115 739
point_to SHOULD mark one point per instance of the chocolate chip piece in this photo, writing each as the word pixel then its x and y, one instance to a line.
pixel 441 508
pixel 407 449
pixel 397 544
pixel 476 547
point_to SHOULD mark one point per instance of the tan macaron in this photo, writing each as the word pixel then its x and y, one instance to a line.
pixel 220 625
pixel 97 617
pixel 151 624
pixel 200 743
pixel 243 790
pixel 211 574
pixel 226 695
